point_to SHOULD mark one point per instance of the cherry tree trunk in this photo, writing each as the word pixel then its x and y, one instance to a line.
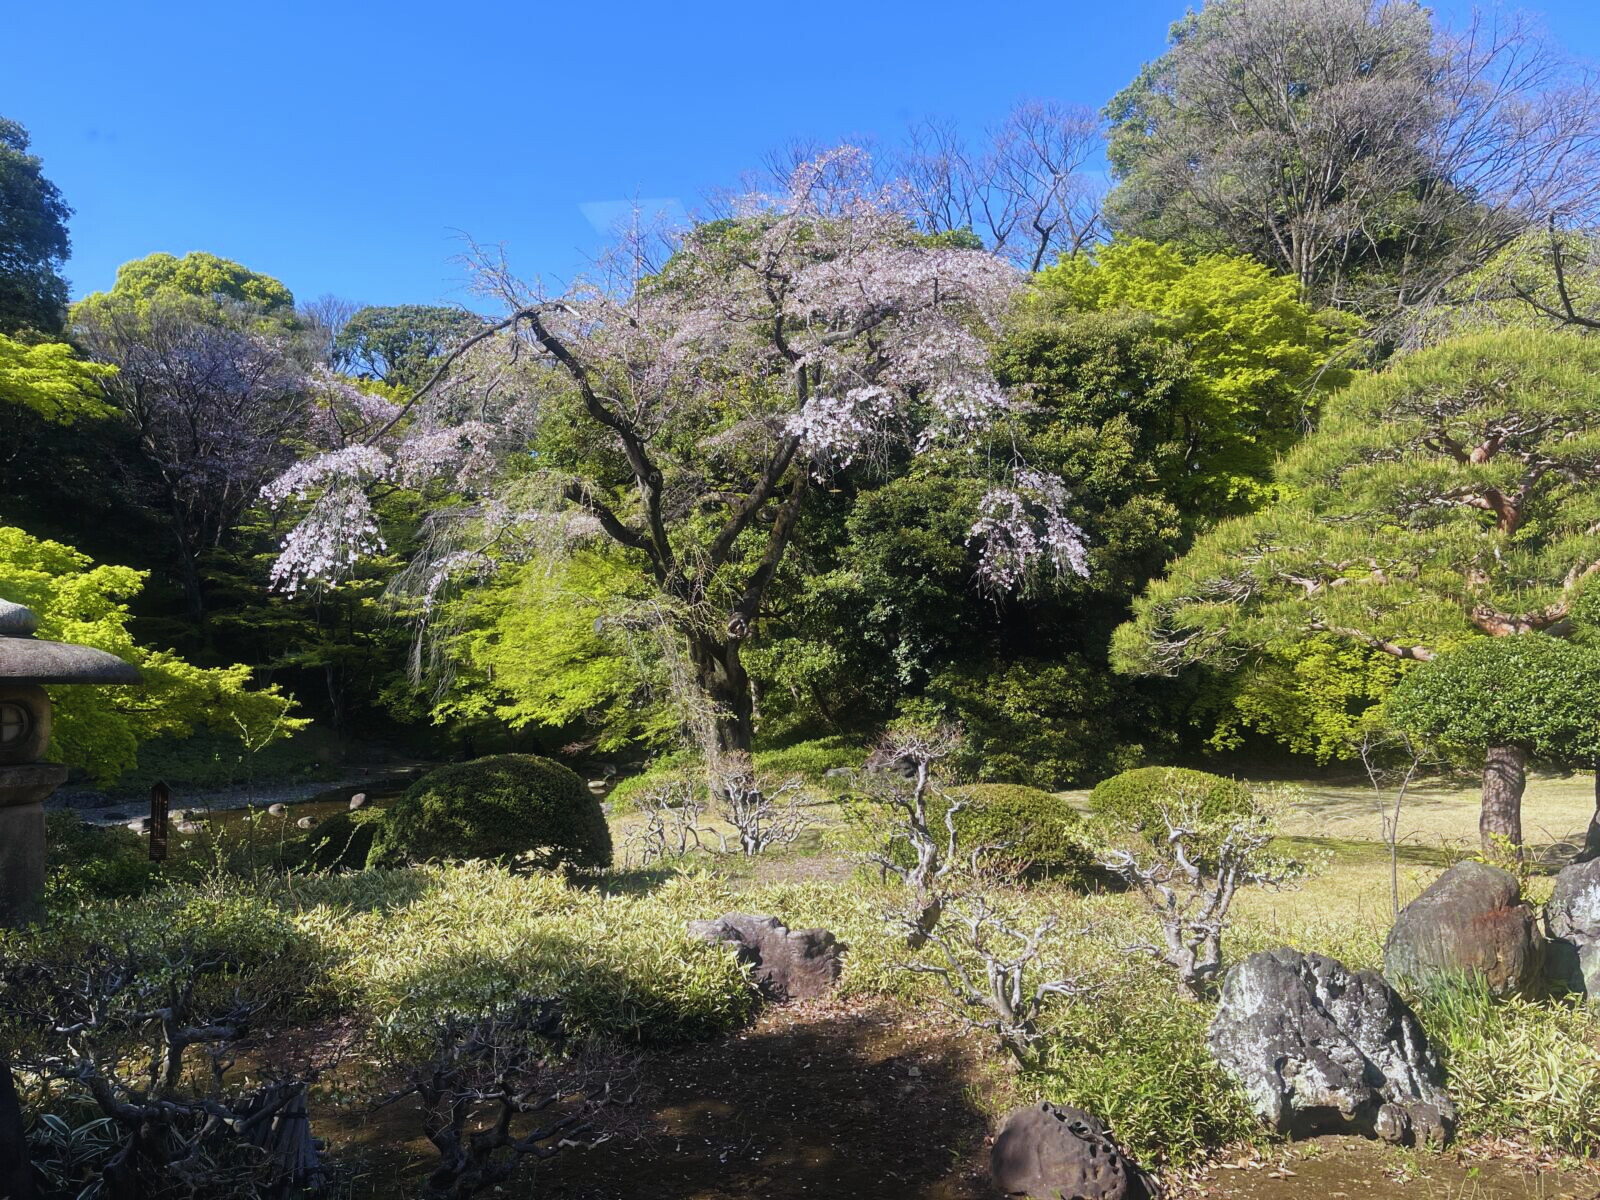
pixel 1505 774
pixel 724 688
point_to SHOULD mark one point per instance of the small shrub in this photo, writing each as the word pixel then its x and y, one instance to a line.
pixel 478 936
pixel 1141 1064
pixel 1038 834
pixel 811 761
pixel 344 840
pixel 1137 799
pixel 499 807
pixel 95 860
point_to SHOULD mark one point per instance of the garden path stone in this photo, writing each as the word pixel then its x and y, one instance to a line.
pixel 787 964
pixel 1320 1048
pixel 1047 1152
pixel 1572 919
pixel 1471 921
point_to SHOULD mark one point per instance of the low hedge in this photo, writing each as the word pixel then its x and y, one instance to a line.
pixel 505 806
pixel 1137 799
pixel 1032 829
pixel 344 840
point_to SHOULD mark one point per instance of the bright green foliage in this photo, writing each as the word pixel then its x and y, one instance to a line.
pixel 530 653
pixel 1449 496
pixel 504 806
pixel 1518 288
pixel 1317 697
pixel 49 379
pixel 1035 834
pixel 344 839
pixel 1532 690
pixel 1140 798
pixel 100 728
pixel 33 239
pixel 1258 358
pixel 204 277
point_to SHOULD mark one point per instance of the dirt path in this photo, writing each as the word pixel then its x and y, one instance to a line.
pixel 871 1099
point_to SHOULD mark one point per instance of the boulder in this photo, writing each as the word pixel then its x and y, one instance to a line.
pixel 1320 1048
pixel 799 964
pixel 1063 1154
pixel 1572 919
pixel 1472 921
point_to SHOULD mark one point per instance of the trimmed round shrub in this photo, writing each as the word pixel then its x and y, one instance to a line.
pixel 1032 829
pixel 1136 799
pixel 344 839
pixel 504 806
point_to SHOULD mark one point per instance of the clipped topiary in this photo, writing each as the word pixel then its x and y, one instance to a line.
pixel 505 806
pixel 1136 799
pixel 344 840
pixel 1032 829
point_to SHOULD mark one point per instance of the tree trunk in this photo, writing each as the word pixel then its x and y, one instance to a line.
pixel 1505 774
pixel 724 687
pixel 16 1176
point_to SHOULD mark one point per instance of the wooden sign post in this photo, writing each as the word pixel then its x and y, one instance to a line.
pixel 160 798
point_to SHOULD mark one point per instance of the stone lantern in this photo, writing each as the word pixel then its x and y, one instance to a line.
pixel 25 780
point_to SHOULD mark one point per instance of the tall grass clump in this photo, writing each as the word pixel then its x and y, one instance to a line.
pixel 1518 1068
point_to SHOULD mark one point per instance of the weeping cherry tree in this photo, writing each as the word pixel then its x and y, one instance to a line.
pixel 696 411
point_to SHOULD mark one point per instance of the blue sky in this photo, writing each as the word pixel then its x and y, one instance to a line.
pixel 342 147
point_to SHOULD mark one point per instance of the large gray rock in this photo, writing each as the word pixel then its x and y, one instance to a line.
pixel 799 964
pixel 1318 1048
pixel 1572 919
pixel 1472 921
pixel 1055 1153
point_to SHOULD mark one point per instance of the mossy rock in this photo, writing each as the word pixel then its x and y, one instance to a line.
pixel 1137 799
pixel 1036 832
pixel 344 839
pixel 505 806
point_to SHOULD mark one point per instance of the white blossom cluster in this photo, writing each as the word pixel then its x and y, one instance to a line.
pixel 325 546
pixel 1023 527
pixel 836 429
pixel 461 452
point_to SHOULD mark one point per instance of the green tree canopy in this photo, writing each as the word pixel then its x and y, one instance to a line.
pixel 1451 496
pixel 201 276
pixel 100 729
pixel 1259 360
pixel 52 381
pixel 1503 700
pixel 399 344
pixel 33 239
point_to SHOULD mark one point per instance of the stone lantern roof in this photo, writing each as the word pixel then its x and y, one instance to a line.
pixel 26 659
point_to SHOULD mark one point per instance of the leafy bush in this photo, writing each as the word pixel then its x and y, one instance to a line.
pixel 1137 799
pixel 1517 1067
pixel 1036 832
pixel 499 807
pixel 344 840
pixel 665 769
pixel 95 860
pixel 1141 1064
